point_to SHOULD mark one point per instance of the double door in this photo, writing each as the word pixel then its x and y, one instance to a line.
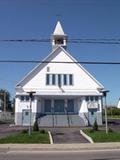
pixel 58 106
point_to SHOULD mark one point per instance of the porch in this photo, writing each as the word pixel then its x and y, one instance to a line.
pixel 59 111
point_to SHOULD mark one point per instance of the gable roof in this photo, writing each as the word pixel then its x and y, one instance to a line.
pixel 49 58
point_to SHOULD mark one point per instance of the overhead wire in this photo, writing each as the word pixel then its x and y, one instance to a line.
pixel 66 62
pixel 72 40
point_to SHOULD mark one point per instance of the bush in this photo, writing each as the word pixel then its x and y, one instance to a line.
pixel 91 130
pixel 95 126
pixel 110 130
pixel 113 111
pixel 24 131
pixel 42 131
pixel 35 126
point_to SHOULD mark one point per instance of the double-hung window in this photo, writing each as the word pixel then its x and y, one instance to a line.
pixel 59 79
pixel 53 79
pixel 47 79
pixel 70 79
pixel 64 79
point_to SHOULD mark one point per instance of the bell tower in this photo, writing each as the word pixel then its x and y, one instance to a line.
pixel 58 38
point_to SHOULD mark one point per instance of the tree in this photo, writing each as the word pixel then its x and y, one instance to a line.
pixel 5 102
pixel 95 126
pixel 35 126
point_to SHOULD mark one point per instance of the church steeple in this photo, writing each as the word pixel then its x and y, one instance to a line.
pixel 59 38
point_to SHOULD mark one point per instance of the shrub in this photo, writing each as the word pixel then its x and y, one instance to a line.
pixel 91 130
pixel 95 126
pixel 110 130
pixel 113 111
pixel 24 131
pixel 35 126
pixel 42 131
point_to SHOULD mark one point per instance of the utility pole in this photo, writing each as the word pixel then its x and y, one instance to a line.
pixel 106 119
pixel 104 92
pixel 3 93
pixel 4 101
pixel 30 113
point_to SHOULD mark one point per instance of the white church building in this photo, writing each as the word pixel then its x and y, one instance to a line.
pixel 65 93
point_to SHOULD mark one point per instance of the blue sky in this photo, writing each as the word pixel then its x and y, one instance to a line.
pixel 27 19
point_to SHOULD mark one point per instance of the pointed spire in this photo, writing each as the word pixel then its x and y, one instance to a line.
pixel 58 29
pixel 58 38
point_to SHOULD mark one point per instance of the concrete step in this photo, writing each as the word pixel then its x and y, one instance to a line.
pixel 61 120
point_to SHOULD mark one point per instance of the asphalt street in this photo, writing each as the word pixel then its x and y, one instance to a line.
pixel 67 155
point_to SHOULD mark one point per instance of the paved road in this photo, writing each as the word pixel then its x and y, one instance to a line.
pixel 84 155
pixel 67 135
pixel 6 130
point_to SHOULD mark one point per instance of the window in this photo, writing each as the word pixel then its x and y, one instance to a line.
pixel 33 98
pixel 91 98
pixel 87 98
pixel 22 98
pixel 47 79
pixel 59 79
pixel 53 79
pixel 26 98
pixel 70 79
pixel 48 69
pixel 47 105
pixel 59 41
pixel 26 113
pixel 96 98
pixel 70 105
pixel 64 79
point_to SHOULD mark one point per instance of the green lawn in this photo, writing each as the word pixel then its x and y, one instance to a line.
pixel 114 117
pixel 35 137
pixel 101 136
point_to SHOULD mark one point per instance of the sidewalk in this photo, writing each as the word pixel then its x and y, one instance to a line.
pixel 5 148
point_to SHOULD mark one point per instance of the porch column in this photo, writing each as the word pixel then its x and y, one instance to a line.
pixel 100 104
pixel 52 106
pixel 66 106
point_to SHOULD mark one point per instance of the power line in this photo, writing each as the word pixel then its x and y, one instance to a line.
pixel 74 40
pixel 78 62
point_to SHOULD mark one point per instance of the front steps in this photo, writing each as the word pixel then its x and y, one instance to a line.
pixel 60 121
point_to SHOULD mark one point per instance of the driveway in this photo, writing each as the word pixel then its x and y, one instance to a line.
pixel 114 124
pixel 67 135
pixel 6 130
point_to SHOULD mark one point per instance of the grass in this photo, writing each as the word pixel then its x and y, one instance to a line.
pixel 35 137
pixel 101 136
pixel 113 117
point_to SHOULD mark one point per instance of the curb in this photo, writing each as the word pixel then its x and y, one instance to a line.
pixel 7 148
pixel 50 136
pixel 86 136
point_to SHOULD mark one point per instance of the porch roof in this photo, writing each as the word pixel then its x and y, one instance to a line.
pixel 68 93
